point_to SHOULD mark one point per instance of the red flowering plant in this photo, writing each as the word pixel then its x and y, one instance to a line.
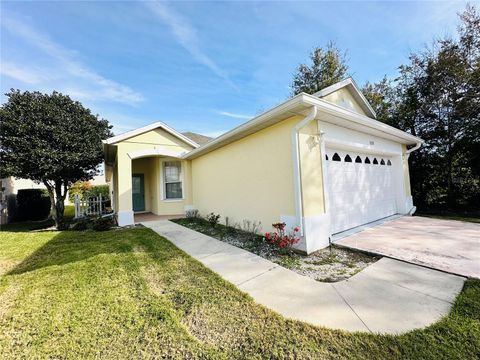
pixel 281 239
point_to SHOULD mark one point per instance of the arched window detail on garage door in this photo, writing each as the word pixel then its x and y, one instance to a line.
pixel 367 160
pixel 382 162
pixel 389 163
pixel 358 159
pixel 326 157
pixel 336 157
pixel 375 161
pixel 347 158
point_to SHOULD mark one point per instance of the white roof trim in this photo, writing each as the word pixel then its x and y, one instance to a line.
pixel 308 100
pixel 357 94
pixel 137 154
pixel 144 129
pixel 251 124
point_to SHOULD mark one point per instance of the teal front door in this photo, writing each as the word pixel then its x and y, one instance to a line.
pixel 138 193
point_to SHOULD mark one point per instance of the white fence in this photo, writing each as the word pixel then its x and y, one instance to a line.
pixel 94 205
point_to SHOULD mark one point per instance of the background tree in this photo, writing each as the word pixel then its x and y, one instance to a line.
pixel 382 97
pixel 50 139
pixel 437 97
pixel 328 66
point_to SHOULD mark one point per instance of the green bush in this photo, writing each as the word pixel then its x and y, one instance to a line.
pixel 213 218
pixel 97 190
pixel 80 225
pixel 32 204
pixel 85 190
pixel 102 223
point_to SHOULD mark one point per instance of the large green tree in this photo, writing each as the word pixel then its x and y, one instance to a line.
pixel 437 97
pixel 328 66
pixel 51 139
pixel 382 97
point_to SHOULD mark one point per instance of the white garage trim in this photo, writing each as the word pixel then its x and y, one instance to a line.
pixel 357 147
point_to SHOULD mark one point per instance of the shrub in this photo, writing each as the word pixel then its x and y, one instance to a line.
pixel 97 190
pixel 80 225
pixel 84 190
pixel 213 219
pixel 191 214
pixel 281 239
pixel 102 223
pixel 79 188
pixel 32 204
pixel 230 230
pixel 252 227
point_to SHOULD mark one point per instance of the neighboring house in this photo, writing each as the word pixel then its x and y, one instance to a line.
pixel 9 187
pixel 320 162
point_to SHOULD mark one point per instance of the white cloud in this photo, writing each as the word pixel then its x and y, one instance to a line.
pixel 88 83
pixel 186 35
pixel 24 75
pixel 233 115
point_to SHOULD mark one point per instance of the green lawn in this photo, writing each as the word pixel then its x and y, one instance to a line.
pixel 132 294
pixel 468 216
pixel 473 219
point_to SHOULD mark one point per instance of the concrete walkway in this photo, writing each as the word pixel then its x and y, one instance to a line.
pixel 387 297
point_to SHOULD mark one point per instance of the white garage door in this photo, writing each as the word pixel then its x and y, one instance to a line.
pixel 361 188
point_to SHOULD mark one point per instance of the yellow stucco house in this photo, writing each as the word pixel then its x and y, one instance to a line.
pixel 320 162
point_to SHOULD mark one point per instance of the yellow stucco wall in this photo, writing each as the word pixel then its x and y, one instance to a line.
pixel 311 170
pixel 151 168
pixel 251 178
pixel 343 97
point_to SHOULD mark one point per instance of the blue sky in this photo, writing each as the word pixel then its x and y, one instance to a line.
pixel 200 66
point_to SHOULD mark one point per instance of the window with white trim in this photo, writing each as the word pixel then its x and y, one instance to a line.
pixel 172 179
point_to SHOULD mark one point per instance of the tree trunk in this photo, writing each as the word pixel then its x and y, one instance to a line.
pixel 59 203
pixel 51 193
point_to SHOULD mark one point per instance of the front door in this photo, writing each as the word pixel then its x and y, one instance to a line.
pixel 138 193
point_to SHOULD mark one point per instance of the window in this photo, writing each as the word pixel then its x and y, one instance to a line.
pixel 358 159
pixel 336 157
pixel 367 160
pixel 389 163
pixel 375 161
pixel 172 176
pixel 348 158
pixel 326 157
pixel 382 162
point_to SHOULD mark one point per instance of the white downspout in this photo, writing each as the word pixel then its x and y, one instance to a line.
pixel 407 155
pixel 416 147
pixel 296 166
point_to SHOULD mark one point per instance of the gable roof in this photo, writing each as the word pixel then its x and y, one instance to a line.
pixel 144 129
pixel 354 90
pixel 198 138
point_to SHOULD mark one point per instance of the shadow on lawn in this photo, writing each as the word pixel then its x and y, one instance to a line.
pixel 72 246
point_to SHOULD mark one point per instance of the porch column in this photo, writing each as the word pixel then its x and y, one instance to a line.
pixel 124 188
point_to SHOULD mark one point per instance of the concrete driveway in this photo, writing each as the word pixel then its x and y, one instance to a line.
pixel 447 245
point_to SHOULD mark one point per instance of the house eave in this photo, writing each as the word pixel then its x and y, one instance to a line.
pixel 299 105
pixel 159 124
pixel 366 122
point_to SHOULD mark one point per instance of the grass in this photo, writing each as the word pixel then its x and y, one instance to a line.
pixel 472 216
pixel 131 294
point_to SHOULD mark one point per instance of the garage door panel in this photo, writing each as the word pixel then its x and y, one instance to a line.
pixel 358 192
